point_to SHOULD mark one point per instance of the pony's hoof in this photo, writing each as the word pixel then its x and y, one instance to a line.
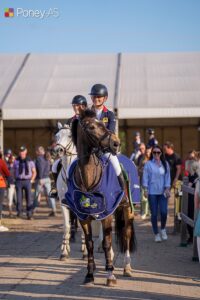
pixel 111 282
pixel 89 280
pixel 127 273
pixel 64 257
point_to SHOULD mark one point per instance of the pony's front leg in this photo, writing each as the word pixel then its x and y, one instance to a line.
pixel 129 241
pixel 65 247
pixel 87 229
pixel 107 247
pixel 83 245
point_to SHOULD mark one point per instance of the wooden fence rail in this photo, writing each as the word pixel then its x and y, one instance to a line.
pixel 185 220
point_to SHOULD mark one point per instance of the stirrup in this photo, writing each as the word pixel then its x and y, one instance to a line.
pixel 53 193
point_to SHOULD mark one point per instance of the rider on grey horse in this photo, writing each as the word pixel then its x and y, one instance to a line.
pixel 79 103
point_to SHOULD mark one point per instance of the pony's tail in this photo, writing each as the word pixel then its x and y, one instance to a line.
pixel 121 232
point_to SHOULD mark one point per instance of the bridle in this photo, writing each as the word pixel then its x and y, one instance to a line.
pixel 65 149
pixel 95 142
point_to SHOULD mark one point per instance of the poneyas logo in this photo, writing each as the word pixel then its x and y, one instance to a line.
pixel 9 12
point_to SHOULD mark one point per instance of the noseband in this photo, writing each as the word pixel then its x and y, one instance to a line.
pixel 66 149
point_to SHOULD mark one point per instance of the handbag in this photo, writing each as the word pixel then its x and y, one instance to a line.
pixel 197 225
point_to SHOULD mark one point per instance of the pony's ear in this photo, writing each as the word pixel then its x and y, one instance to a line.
pixel 59 125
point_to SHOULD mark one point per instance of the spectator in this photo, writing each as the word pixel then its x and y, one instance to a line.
pixel 192 176
pixel 7 154
pixel 43 165
pixel 191 156
pixel 197 209
pixel 156 184
pixel 25 173
pixel 152 140
pixel 142 150
pixel 174 162
pixel 4 174
pixel 11 184
pixel 144 200
pixel 136 147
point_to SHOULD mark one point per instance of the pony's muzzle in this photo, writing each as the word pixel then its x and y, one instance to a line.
pixel 115 144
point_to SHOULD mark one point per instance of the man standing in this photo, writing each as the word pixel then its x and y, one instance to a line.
pixel 174 162
pixel 25 173
pixel 43 179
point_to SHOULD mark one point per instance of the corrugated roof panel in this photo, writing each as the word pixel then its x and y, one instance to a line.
pixel 9 66
pixel 51 81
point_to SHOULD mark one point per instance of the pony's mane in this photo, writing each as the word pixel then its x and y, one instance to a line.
pixel 74 131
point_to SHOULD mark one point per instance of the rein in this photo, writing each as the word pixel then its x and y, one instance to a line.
pixel 94 183
pixel 96 150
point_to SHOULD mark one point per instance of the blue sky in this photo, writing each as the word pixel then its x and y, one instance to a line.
pixel 102 26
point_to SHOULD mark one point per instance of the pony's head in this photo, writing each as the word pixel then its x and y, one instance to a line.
pixel 95 133
pixel 63 139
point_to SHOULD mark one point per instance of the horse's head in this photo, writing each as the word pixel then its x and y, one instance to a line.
pixel 63 139
pixel 98 136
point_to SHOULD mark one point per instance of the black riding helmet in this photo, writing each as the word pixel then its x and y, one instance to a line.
pixel 99 90
pixel 150 131
pixel 79 100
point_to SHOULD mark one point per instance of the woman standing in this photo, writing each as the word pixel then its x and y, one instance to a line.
pixel 4 173
pixel 156 184
pixel 197 206
pixel 144 200
pixel 11 184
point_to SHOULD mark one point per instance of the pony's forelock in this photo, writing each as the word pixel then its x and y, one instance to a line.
pixel 88 113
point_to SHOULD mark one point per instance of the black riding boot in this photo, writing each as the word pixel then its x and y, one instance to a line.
pixel 121 181
pixel 53 193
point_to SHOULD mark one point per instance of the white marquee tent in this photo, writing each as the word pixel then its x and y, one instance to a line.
pixel 158 85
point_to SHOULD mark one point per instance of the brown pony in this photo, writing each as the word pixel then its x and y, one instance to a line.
pixel 91 137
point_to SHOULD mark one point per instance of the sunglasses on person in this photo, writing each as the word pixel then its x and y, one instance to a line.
pixel 156 152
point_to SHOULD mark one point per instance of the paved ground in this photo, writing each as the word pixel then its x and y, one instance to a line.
pixel 30 268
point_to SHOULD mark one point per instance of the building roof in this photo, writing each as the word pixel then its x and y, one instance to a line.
pixel 150 85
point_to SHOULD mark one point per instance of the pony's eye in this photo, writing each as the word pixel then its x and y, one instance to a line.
pixel 91 127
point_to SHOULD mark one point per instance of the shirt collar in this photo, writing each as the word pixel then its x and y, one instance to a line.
pixel 105 109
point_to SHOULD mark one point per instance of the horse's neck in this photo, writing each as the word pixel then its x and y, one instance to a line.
pixel 90 171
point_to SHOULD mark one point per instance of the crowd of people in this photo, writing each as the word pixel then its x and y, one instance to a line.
pixel 161 170
pixel 19 174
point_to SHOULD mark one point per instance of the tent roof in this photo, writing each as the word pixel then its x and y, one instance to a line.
pixel 41 86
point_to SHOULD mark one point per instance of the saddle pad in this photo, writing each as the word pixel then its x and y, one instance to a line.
pixel 104 200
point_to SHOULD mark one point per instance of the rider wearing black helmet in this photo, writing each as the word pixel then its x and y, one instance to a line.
pixel 99 95
pixel 79 103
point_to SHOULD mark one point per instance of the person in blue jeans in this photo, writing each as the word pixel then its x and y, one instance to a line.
pixel 156 184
